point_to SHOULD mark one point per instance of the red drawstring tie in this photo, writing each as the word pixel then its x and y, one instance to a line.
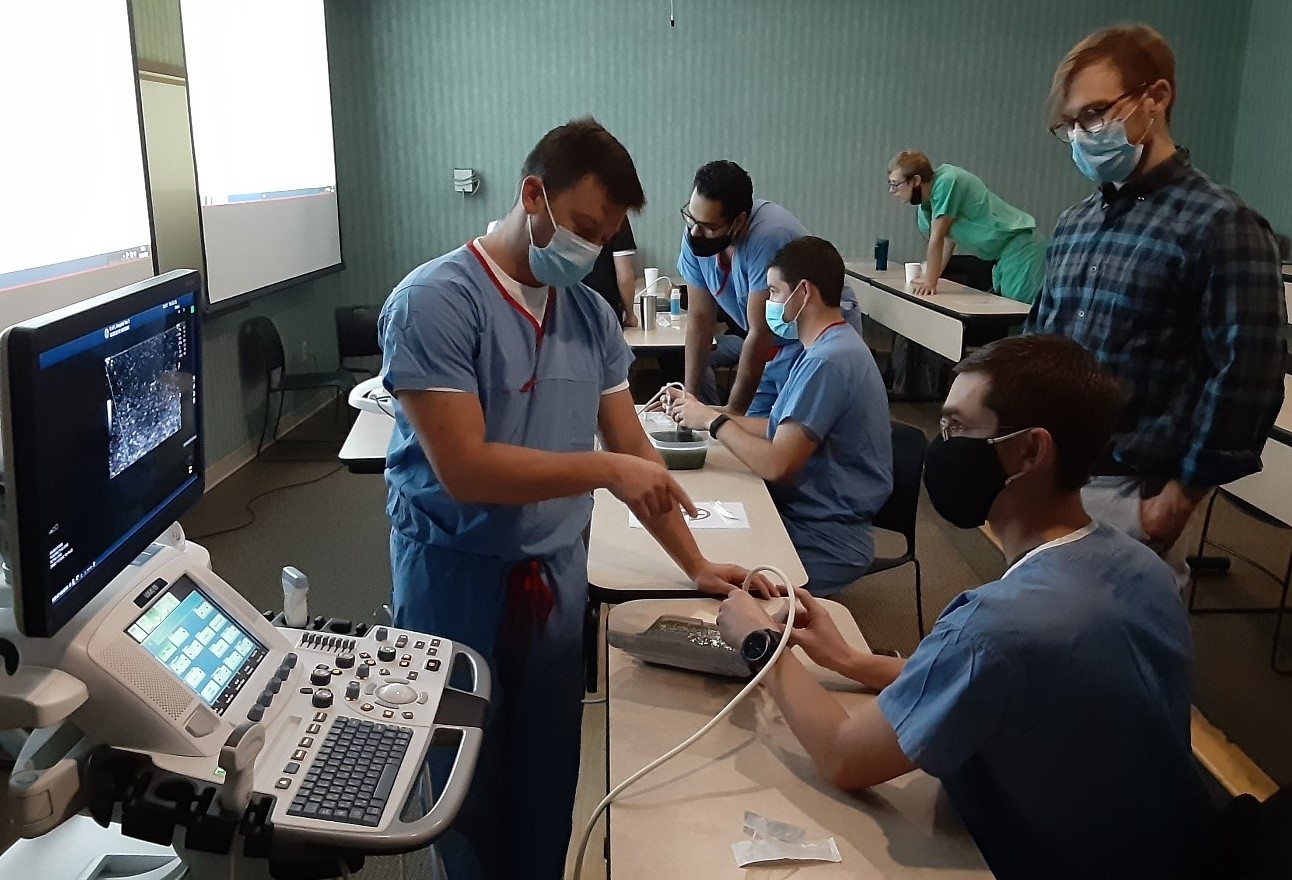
pixel 528 601
pixel 528 595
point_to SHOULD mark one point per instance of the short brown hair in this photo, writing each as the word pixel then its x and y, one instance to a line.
pixel 570 152
pixel 911 163
pixel 1053 383
pixel 1138 52
pixel 812 259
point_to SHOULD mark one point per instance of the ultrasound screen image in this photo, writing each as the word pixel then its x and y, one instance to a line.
pixel 145 398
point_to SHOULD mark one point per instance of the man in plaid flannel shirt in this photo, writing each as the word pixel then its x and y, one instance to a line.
pixel 1172 282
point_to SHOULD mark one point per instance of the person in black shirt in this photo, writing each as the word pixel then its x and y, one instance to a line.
pixel 613 275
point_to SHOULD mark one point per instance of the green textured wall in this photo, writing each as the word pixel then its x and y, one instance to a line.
pixel 811 96
pixel 158 40
pixel 1261 171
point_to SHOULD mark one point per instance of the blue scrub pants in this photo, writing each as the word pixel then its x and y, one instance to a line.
pixel 516 819
pixel 726 353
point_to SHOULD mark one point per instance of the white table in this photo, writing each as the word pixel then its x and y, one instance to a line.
pixel 626 563
pixel 681 820
pixel 1270 489
pixel 946 322
pixel 669 337
pixel 364 450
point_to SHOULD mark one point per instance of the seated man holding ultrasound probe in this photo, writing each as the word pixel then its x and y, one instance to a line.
pixel 1053 703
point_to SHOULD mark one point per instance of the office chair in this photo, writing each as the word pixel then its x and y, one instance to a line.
pixel 356 337
pixel 899 511
pixel 1252 839
pixel 261 334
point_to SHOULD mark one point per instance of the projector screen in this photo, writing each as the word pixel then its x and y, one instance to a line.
pixel 73 202
pixel 261 113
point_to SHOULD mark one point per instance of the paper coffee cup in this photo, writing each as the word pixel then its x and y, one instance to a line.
pixel 913 271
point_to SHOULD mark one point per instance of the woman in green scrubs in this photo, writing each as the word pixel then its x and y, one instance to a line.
pixel 957 212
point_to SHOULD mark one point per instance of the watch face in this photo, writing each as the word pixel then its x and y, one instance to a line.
pixel 755 645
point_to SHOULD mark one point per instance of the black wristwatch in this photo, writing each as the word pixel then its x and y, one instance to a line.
pixel 758 647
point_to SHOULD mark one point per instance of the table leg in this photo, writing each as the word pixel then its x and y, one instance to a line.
pixel 592 644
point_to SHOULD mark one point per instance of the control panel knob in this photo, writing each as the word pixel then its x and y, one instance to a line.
pixel 363 671
pixel 380 634
pixel 345 661
pixel 352 691
pixel 385 653
pixel 322 698
pixel 320 675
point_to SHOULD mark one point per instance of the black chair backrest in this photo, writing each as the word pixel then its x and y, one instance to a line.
pixel 356 332
pixel 264 335
pixel 1253 839
pixel 898 513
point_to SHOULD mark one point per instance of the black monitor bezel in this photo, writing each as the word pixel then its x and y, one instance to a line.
pixel 20 348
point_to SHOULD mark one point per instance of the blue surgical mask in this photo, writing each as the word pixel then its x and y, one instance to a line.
pixel 1106 156
pixel 779 324
pixel 566 259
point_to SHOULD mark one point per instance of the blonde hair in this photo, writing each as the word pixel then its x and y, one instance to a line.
pixel 911 163
pixel 1138 53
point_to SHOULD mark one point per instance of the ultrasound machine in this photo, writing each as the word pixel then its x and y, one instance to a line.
pixel 160 703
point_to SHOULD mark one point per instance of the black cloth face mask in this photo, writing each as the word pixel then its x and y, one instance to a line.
pixel 963 476
pixel 707 247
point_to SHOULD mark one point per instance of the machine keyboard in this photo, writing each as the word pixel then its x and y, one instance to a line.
pixel 351 777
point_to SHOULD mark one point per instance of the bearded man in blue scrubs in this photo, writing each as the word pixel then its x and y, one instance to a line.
pixel 504 367
pixel 729 241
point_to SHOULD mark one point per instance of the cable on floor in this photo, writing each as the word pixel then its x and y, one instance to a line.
pixel 249 509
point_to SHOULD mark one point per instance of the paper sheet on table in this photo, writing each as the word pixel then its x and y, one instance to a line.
pixel 713 515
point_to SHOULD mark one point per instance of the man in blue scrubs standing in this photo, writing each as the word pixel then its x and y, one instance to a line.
pixel 729 239
pixel 826 451
pixel 504 367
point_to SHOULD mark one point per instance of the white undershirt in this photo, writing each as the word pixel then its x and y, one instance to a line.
pixel 534 299
pixel 1069 538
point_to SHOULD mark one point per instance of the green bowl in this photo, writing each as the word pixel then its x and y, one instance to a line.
pixel 678 454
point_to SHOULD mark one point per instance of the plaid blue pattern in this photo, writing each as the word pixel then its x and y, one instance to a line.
pixel 1175 285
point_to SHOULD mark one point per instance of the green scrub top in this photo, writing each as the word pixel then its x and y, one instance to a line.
pixel 987 227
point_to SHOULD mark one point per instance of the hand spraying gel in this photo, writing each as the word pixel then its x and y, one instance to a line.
pixel 296 591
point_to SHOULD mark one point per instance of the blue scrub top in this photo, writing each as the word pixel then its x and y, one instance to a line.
pixel 771 227
pixel 451 325
pixel 834 391
pixel 1054 706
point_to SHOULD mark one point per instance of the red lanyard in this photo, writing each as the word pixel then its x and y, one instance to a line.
pixel 539 329
pixel 724 273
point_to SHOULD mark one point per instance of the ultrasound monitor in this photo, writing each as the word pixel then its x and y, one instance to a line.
pixel 103 442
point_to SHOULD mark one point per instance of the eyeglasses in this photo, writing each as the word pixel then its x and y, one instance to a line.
pixel 707 228
pixel 894 187
pixel 1092 120
pixel 950 427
